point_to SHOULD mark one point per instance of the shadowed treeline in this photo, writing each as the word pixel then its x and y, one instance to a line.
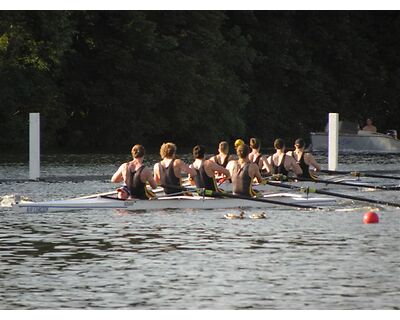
pixel 105 80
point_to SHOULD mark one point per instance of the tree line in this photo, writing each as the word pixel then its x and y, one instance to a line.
pixel 105 80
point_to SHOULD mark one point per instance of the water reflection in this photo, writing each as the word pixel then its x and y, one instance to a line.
pixel 188 259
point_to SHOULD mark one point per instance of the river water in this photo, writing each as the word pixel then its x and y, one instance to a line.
pixel 186 259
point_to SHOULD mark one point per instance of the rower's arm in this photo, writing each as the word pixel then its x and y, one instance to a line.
pixel 185 168
pixel 265 165
pixel 268 165
pixel 191 178
pixel 311 161
pixel 255 172
pixel 118 177
pixel 230 166
pixel 157 173
pixel 148 177
pixel 295 167
pixel 219 169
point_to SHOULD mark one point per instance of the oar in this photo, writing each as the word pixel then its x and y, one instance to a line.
pixel 96 195
pixel 334 194
pixel 361 174
pixel 360 185
pixel 211 193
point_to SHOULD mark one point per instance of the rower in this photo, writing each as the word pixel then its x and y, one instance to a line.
pixel 205 170
pixel 304 159
pixel 280 163
pixel 168 172
pixel 243 172
pixel 255 156
pixel 223 156
pixel 369 126
pixel 135 175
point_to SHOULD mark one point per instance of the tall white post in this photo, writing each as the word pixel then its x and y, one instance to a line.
pixel 34 146
pixel 333 141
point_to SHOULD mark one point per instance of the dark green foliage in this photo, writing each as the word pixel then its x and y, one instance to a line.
pixel 105 80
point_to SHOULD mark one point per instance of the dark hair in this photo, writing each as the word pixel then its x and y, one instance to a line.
pixel 224 146
pixel 279 143
pixel 199 151
pixel 299 143
pixel 255 143
pixel 243 151
pixel 137 151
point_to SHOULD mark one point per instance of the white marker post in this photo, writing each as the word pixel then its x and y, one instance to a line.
pixel 34 146
pixel 333 141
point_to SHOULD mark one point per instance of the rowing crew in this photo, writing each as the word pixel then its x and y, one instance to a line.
pixel 242 170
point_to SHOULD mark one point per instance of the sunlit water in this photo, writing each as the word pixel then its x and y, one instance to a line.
pixel 294 259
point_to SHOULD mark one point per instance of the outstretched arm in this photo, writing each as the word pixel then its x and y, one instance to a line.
pixel 311 161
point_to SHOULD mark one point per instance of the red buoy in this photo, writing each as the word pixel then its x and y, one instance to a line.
pixel 371 217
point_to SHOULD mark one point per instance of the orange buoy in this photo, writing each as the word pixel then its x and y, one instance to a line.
pixel 371 217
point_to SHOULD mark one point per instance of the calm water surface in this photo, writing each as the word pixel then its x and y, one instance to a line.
pixel 194 259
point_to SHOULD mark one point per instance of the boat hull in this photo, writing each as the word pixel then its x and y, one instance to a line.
pixel 162 203
pixel 357 143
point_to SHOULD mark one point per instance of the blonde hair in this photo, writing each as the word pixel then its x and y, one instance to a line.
pixel 137 151
pixel 224 147
pixel 167 150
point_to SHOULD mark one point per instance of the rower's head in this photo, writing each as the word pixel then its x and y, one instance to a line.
pixel 243 151
pixel 279 144
pixel 238 143
pixel 369 121
pixel 255 143
pixel 223 147
pixel 168 150
pixel 299 143
pixel 137 151
pixel 199 152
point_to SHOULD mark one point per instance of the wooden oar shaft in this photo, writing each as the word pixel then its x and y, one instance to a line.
pixel 334 194
pixel 342 183
pixel 361 174
pixel 235 196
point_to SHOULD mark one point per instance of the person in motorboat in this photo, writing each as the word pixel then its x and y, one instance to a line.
pixel 280 163
pixel 135 175
pixel 206 170
pixel 304 159
pixel 256 157
pixel 243 172
pixel 369 126
pixel 223 156
pixel 168 172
